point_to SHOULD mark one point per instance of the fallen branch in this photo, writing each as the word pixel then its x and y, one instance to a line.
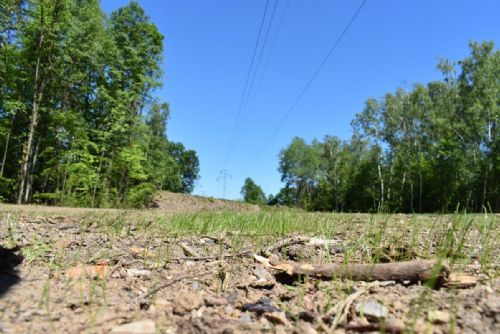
pixel 268 251
pixel 412 271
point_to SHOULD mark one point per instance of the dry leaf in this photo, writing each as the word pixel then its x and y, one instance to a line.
pixel 99 270
pixel 140 253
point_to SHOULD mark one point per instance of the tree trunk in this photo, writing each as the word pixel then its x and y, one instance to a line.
pixel 94 192
pixel 389 186
pixel 420 191
pixel 381 205
pixel 37 97
pixel 7 140
pixel 402 189
pixel 29 185
pixel 411 195
pixel 485 188
pixel 124 185
pixel 28 146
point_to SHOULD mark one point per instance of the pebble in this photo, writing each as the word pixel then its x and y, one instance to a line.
pixel 245 319
pixel 137 327
pixel 438 317
pixel 214 301
pixel 131 273
pixel 262 274
pixel 492 305
pixel 185 302
pixel 278 318
pixel 372 310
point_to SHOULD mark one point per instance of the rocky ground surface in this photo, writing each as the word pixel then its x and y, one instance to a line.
pixel 70 275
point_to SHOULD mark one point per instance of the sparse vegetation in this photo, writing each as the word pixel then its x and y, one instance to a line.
pixel 147 243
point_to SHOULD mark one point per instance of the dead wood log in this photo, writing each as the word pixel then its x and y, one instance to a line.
pixel 412 271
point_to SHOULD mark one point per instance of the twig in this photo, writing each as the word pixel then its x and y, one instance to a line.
pixel 115 267
pixel 188 250
pixel 412 271
pixel 143 297
pixel 268 251
pixel 341 310
pixel 211 257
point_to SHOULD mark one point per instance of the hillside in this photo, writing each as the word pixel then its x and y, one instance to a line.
pixel 173 202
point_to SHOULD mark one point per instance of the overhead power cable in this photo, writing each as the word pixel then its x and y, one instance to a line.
pixel 250 78
pixel 266 62
pixel 247 80
pixel 308 83
pixel 252 81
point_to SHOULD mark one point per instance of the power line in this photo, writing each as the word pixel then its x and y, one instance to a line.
pixel 238 114
pixel 252 81
pixel 247 93
pixel 266 63
pixel 309 82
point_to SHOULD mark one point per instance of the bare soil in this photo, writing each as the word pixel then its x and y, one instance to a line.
pixel 76 275
pixel 173 202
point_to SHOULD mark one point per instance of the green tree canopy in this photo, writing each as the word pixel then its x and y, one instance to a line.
pixel 252 193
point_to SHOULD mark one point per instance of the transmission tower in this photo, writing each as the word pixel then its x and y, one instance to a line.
pixel 223 175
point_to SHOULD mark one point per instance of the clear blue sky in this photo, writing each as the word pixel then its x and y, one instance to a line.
pixel 208 47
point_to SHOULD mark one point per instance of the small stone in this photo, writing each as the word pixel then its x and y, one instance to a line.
pixel 438 317
pixel 189 264
pixel 213 301
pixel 278 318
pixel 260 307
pixel 137 327
pixel 245 319
pixel 196 285
pixel 262 274
pixel 372 310
pixel 492 305
pixel 131 273
pixel 307 316
pixel 185 302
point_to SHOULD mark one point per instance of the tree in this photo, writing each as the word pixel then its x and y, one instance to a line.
pixel 74 88
pixel 252 193
pixel 427 149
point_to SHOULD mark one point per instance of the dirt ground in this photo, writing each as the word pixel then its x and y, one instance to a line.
pixel 173 202
pixel 76 272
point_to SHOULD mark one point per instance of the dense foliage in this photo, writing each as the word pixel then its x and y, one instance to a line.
pixel 252 192
pixel 430 149
pixel 78 122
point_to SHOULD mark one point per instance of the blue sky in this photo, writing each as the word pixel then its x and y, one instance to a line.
pixel 208 48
